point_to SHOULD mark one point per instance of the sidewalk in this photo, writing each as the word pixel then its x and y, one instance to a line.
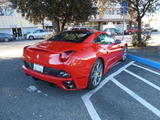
pixel 150 53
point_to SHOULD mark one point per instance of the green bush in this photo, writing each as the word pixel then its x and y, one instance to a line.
pixel 145 37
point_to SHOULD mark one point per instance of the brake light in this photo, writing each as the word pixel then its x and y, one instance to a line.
pixel 64 56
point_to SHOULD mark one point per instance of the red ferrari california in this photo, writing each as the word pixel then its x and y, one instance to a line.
pixel 74 59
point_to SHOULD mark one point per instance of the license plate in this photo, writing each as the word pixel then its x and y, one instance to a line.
pixel 38 68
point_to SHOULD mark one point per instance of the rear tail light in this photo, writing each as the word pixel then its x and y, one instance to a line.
pixel 64 56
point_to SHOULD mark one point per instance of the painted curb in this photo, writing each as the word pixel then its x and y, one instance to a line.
pixel 144 61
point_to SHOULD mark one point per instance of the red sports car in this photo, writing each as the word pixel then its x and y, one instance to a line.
pixel 74 59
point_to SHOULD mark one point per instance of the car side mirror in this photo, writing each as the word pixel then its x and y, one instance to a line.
pixel 118 41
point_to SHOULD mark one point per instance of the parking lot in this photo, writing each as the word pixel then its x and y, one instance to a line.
pixel 129 91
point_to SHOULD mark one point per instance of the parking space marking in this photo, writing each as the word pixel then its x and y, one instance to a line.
pixel 147 69
pixel 86 97
pixel 90 108
pixel 142 79
pixel 138 98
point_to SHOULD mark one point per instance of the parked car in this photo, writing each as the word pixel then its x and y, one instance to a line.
pixel 132 30
pixel 5 37
pixel 40 33
pixel 74 59
pixel 112 31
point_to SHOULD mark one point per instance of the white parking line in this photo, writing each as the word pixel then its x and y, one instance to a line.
pixel 138 98
pixel 147 69
pixel 144 80
pixel 92 112
pixel 86 97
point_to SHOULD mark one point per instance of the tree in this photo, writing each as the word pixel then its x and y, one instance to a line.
pixel 138 9
pixel 58 11
pixel 30 9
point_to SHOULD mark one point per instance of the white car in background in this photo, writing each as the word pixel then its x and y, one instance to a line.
pixel 113 31
pixel 40 33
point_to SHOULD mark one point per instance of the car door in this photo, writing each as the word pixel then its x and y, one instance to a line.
pixel 43 33
pixel 115 49
pixel 111 48
pixel 36 34
pixel 102 45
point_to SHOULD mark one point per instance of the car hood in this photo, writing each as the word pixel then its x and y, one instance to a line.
pixel 57 46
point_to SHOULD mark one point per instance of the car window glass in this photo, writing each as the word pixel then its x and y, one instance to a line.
pixel 104 39
pixel 71 36
pixel 37 31
pixel 42 31
pixel 109 30
pixel 106 30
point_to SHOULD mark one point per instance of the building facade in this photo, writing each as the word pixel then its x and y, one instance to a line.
pixel 12 22
pixel 109 16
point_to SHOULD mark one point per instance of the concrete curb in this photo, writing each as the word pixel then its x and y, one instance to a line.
pixel 144 61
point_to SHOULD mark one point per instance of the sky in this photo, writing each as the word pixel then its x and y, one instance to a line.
pixel 155 20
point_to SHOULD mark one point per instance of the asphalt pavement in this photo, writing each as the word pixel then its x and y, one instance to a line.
pixel 129 91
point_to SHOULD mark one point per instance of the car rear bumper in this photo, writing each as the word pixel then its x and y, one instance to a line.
pixel 56 80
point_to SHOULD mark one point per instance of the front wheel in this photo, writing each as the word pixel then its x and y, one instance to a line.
pixel 96 74
pixel 31 38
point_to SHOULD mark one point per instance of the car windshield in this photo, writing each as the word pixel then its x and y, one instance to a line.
pixel 71 36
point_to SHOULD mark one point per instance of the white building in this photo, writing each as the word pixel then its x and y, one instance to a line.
pixel 12 22
pixel 110 17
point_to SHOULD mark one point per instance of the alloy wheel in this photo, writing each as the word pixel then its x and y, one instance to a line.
pixel 96 75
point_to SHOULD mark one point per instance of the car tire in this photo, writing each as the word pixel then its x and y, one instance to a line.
pixel 31 37
pixel 125 53
pixel 6 39
pixel 96 74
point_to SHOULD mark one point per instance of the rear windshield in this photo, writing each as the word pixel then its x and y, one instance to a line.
pixel 71 36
